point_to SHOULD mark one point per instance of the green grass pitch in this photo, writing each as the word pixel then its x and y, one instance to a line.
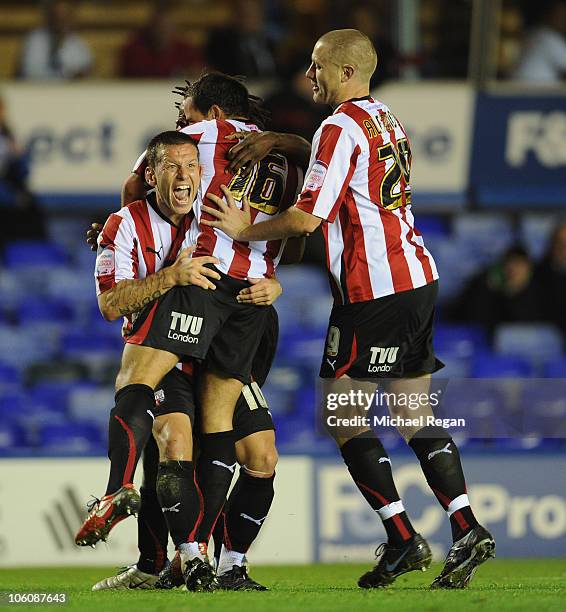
pixel 535 584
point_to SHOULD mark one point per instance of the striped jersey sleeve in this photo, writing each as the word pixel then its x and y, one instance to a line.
pixel 332 164
pixel 116 257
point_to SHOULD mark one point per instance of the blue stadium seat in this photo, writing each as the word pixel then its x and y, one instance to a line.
pixel 432 225
pixel 543 408
pixel 315 312
pixel 75 438
pixel 555 368
pixel 535 232
pixel 53 397
pixel 21 346
pixel 455 366
pixel 10 376
pixel 302 348
pixel 69 232
pixel 281 389
pixel 34 254
pixel 302 312
pixel 87 344
pixel 84 260
pixel 55 371
pixel 303 280
pixel 12 289
pixel 12 436
pixel 488 365
pixel 35 309
pixel 482 404
pixel 14 404
pixel 297 432
pixel 95 351
pixel 97 324
pixel 455 263
pixel 307 396
pixel 91 405
pixel 484 234
pixel 537 342
pixel 77 286
pixel 460 340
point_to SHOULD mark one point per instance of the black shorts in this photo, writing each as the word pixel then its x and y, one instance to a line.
pixel 199 323
pixel 390 337
pixel 265 353
pixel 176 393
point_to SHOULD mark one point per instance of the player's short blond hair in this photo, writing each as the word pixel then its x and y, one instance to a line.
pixel 352 47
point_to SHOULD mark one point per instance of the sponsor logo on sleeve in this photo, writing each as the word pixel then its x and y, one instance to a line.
pixel 105 262
pixel 316 175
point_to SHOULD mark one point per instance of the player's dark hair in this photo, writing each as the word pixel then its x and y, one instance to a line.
pixel 164 139
pixel 227 92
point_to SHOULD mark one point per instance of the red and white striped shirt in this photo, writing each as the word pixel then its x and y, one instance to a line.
pixel 137 241
pixel 358 182
pixel 272 186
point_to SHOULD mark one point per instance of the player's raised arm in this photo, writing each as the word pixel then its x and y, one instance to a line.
pixel 293 251
pixel 254 146
pixel 236 223
pixel 133 189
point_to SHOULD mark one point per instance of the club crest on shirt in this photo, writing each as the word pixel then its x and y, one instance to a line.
pixel 316 175
pixel 105 263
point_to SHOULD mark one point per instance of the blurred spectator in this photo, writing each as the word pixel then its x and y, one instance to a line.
pixel 510 40
pixel 55 51
pixel 20 216
pixel 157 50
pixel 543 58
pixel 291 106
pixel 444 30
pixel 551 277
pixel 365 18
pixel 243 46
pixel 506 292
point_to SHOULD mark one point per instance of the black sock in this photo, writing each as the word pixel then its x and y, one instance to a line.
pixel 215 468
pixel 180 499
pixel 152 528
pixel 129 429
pixel 441 465
pixel 218 535
pixel 370 467
pixel 246 509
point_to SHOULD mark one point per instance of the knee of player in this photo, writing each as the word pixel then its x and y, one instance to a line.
pixel 263 462
pixel 173 446
pixel 177 449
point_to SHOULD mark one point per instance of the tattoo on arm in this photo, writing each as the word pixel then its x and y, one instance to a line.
pixel 129 296
pixel 134 307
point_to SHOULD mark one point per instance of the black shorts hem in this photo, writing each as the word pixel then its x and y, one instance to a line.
pixel 214 367
pixel 166 349
pixel 243 432
pixel 410 373
pixel 389 337
pixel 165 411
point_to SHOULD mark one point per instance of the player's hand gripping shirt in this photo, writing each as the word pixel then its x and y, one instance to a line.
pixel 271 186
pixel 358 181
